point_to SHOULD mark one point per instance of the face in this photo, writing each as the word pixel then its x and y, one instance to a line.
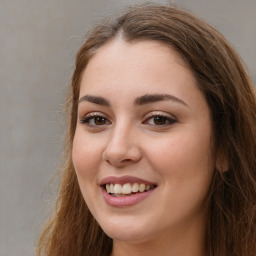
pixel 142 146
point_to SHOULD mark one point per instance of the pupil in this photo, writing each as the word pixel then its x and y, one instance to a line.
pixel 99 120
pixel 159 120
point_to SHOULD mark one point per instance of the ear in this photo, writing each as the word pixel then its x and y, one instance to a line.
pixel 222 163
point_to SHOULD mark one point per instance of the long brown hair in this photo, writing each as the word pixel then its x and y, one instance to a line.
pixel 221 77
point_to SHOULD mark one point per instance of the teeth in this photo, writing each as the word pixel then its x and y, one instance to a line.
pixel 142 187
pixel 127 188
pixel 111 188
pixel 135 187
pixel 118 189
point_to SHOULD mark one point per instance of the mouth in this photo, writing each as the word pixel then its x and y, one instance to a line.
pixel 127 189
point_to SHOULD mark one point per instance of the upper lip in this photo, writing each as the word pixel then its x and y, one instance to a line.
pixel 123 180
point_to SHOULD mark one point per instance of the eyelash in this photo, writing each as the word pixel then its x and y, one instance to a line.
pixel 93 116
pixel 155 116
pixel 160 117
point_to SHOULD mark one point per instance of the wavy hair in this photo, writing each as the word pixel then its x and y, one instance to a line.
pixel 221 77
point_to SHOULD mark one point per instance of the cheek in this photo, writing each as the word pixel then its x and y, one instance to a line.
pixel 86 154
pixel 183 158
pixel 185 166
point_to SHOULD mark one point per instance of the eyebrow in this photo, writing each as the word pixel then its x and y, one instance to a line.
pixel 95 99
pixel 142 100
pixel 150 98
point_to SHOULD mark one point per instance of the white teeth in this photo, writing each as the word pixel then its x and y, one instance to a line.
pixel 118 189
pixel 142 187
pixel 111 188
pixel 135 187
pixel 127 188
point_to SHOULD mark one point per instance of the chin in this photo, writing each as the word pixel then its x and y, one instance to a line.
pixel 125 231
pixel 126 235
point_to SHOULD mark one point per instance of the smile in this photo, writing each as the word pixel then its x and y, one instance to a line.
pixel 127 189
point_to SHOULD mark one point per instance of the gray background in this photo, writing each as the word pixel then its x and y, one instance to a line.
pixel 39 39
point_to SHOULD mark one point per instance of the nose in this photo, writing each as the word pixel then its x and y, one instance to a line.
pixel 122 148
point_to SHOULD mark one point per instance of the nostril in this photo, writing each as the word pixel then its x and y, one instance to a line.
pixel 118 155
pixel 126 160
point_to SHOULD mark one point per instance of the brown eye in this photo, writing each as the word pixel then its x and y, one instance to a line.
pixel 95 121
pixel 159 120
pixel 99 120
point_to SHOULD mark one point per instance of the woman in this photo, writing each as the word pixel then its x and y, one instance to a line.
pixel 160 155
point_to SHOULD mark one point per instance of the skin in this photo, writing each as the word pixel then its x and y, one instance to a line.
pixel 127 140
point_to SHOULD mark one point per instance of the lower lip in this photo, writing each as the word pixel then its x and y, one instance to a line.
pixel 123 201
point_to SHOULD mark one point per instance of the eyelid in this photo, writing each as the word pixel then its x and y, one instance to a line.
pixel 160 113
pixel 89 115
pixel 171 118
pixel 93 113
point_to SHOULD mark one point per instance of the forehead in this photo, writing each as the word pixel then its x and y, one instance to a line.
pixel 142 62
pixel 146 50
pixel 122 72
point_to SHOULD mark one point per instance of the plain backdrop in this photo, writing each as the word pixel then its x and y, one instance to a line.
pixel 38 42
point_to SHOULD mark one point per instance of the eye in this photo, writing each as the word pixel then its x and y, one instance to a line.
pixel 159 120
pixel 95 120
